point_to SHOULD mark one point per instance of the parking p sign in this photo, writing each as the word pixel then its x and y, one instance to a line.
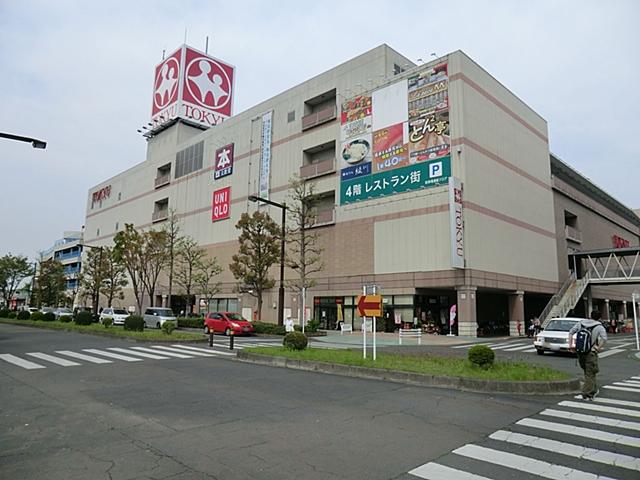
pixel 221 207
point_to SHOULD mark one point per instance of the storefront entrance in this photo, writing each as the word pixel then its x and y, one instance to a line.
pixel 325 310
pixel 432 312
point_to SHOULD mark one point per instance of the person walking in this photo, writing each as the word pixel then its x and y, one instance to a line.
pixel 587 338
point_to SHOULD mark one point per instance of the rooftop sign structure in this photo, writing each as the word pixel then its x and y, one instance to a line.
pixel 193 86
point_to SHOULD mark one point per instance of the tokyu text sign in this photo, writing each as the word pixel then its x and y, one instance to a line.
pixel 413 177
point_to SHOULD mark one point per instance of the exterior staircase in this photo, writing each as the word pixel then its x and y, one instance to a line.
pixel 566 299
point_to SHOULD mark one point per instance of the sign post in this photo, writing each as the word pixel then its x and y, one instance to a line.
pixel 369 306
pixel 364 325
pixel 635 319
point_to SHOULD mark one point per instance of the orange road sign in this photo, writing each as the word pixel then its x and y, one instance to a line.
pixel 370 305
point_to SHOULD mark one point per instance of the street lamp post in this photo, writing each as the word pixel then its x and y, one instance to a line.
pixel 283 207
pixel 35 143
pixel 96 292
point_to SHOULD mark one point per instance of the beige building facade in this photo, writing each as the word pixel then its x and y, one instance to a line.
pixel 435 185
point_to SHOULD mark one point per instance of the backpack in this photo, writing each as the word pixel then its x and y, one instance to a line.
pixel 583 339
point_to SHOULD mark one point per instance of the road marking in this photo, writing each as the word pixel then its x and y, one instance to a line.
pixel 614 438
pixel 7 357
pixel 621 345
pixel 525 464
pixel 435 471
pixel 569 449
pixel 531 350
pixel 601 408
pixel 57 360
pixel 469 345
pixel 168 354
pixel 138 354
pixel 80 356
pixel 611 401
pixel 112 355
pixel 635 378
pixel 509 345
pixel 580 417
pixel 623 389
pixel 632 382
pixel 179 350
pixel 217 352
pixel 628 384
pixel 608 353
pixel 527 346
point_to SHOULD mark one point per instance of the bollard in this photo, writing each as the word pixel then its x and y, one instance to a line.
pixel 231 337
pixel 211 338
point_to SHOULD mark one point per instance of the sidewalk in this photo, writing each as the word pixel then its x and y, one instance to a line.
pixel 355 338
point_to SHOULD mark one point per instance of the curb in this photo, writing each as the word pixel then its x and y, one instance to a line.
pixel 556 387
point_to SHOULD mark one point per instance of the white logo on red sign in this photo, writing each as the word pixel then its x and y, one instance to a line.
pixel 224 161
pixel 221 207
pixel 208 83
pixel 166 84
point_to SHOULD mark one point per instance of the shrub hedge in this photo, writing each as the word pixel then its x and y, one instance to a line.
pixel 268 328
pixel 295 341
pixel 191 322
pixel 23 315
pixel 107 322
pixel 36 316
pixel 84 318
pixel 482 356
pixel 65 318
pixel 48 317
pixel 134 322
pixel 12 314
pixel 168 327
pixel 4 312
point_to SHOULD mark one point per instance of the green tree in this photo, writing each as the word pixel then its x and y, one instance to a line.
pixel 115 277
pixel 189 260
pixel 206 278
pixel 13 270
pixel 303 253
pixel 50 283
pixel 259 250
pixel 153 260
pixel 128 252
pixel 94 272
pixel 173 238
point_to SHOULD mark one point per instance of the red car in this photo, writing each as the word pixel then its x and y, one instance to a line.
pixel 226 322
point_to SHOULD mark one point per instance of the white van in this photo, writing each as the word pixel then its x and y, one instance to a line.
pixel 156 316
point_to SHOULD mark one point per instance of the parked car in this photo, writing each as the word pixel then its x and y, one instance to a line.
pixel 555 336
pixel 156 316
pixel 118 315
pixel 62 311
pixel 32 309
pixel 48 309
pixel 226 322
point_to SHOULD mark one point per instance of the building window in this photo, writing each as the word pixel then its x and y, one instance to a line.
pixel 189 160
pixel 160 210
pixel 97 232
pixel 117 225
pixel 291 116
pixel 397 69
pixel 119 195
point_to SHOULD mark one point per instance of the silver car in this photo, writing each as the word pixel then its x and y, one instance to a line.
pixel 118 315
pixel 555 336
pixel 156 316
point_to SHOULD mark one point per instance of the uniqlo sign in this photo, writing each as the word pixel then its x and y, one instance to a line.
pixel 221 208
pixel 192 85
pixel 223 162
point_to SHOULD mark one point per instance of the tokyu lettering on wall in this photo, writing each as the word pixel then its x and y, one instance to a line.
pixel 404 179
pixel 221 208
pixel 456 222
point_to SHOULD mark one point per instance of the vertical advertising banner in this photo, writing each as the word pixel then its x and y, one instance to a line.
pixel 223 162
pixel 265 154
pixel 456 222
pixel 221 207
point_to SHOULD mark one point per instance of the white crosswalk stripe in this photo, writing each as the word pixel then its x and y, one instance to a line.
pixel 569 449
pixel 526 347
pixel 57 360
pixel 541 444
pixel 81 356
pixel 135 353
pixel 608 353
pixel 168 354
pixel 622 389
pixel 179 350
pixel 117 356
pixel 197 349
pixel 7 357
pixel 509 345
pixel 628 384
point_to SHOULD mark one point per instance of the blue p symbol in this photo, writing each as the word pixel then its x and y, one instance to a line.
pixel 435 170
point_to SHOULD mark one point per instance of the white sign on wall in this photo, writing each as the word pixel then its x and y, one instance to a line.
pixel 265 154
pixel 456 222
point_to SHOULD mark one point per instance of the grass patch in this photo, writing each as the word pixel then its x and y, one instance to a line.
pixel 427 364
pixel 114 331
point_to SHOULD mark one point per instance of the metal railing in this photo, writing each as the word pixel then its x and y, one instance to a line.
pixel 160 215
pixel 162 180
pixel 317 169
pixel 573 234
pixel 553 301
pixel 319 117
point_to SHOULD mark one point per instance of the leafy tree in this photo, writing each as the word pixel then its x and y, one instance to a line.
pixel 128 252
pixel 115 277
pixel 50 283
pixel 206 279
pixel 259 250
pixel 94 273
pixel 173 240
pixel 13 270
pixel 153 260
pixel 304 253
pixel 189 260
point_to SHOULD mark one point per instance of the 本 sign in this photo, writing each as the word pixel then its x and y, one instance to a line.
pixel 370 305
pixel 223 161
pixel 221 207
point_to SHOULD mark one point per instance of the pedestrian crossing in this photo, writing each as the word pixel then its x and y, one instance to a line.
pixel 111 355
pixel 574 440
pixel 520 345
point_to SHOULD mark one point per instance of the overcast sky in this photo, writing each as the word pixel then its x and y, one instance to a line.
pixel 79 75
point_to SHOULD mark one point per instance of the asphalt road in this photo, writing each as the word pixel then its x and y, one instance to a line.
pixel 213 417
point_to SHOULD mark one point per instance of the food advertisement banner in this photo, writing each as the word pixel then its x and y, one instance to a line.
pixel 413 177
pixel 397 138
